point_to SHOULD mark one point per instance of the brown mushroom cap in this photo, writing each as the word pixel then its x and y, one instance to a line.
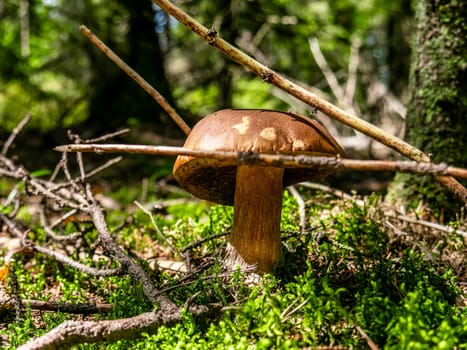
pixel 249 130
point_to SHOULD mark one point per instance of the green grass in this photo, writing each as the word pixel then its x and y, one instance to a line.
pixel 347 274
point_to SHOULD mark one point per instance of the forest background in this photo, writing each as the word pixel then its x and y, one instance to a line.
pixel 50 70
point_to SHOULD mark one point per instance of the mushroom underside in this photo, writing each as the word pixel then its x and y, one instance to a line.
pixel 217 184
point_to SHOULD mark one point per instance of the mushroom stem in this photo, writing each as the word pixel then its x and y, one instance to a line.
pixel 255 238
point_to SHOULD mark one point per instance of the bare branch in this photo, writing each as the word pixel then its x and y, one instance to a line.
pixel 204 240
pixel 107 136
pixel 301 207
pixel 134 270
pixel 82 309
pixel 371 344
pixel 156 227
pixel 99 272
pixel 276 159
pixel 66 171
pixel 15 133
pixel 333 191
pixel 64 197
pixel 72 198
pixel 90 174
pixel 48 228
pixel 72 333
pixel 56 255
pixel 137 78
pixel 433 225
pixel 327 71
pixel 82 200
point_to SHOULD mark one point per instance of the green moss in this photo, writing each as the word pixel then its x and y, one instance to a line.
pixel 347 273
pixel 438 107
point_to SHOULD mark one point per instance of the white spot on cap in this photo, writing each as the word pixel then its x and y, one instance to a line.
pixel 243 127
pixel 268 134
pixel 298 145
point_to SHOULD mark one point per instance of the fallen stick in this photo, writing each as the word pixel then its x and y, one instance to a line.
pixel 268 159
pixel 70 308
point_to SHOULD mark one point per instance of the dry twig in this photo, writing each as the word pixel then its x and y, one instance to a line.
pixel 82 309
pixel 301 207
pixel 274 159
pixel 158 230
pixel 72 333
pixel 432 225
pixel 137 78
pixel 13 227
pixel 15 133
pixel 371 343
pixel 74 197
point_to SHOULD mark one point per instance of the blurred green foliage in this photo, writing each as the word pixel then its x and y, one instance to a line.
pixel 47 68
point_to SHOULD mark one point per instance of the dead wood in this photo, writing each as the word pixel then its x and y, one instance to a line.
pixel 296 160
pixel 72 333
pixel 66 198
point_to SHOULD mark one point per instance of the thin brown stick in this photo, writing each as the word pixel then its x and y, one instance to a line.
pixel 158 230
pixel 107 136
pixel 432 225
pixel 15 133
pixel 57 255
pixel 132 267
pixel 301 207
pixel 276 159
pixel 137 78
pixel 333 191
pixel 202 241
pixel 329 75
pixel 371 344
pixel 82 309
pixel 309 98
pixel 48 228
pixel 90 174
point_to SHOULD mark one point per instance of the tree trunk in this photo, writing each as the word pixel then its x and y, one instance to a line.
pixel 437 111
pixel 116 101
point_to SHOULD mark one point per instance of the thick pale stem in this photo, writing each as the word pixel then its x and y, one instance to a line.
pixel 255 238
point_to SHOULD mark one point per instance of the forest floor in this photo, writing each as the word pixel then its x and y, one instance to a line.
pixel 359 272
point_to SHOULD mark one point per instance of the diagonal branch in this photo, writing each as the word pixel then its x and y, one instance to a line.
pixel 351 84
pixel 133 269
pixel 72 333
pixel 56 255
pixel 137 78
pixel 15 133
pixel 327 72
pixel 70 308
pixel 313 100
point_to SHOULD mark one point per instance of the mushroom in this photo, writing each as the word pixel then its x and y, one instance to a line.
pixel 254 191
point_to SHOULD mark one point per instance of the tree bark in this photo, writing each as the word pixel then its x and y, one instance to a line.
pixel 437 110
